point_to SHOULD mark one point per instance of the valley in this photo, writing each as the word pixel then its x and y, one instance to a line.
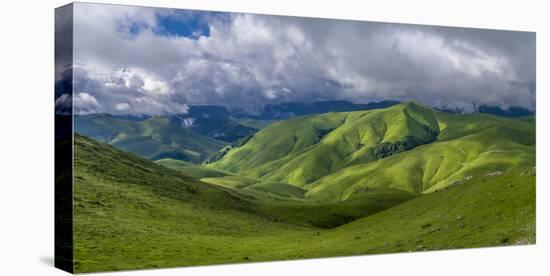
pixel 400 178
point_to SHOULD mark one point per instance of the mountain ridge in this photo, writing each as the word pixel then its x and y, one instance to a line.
pixel 127 207
pixel 292 151
pixel 153 138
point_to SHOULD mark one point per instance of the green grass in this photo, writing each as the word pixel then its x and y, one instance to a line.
pixel 253 123
pixel 126 208
pixel 230 181
pixel 131 213
pixel 472 187
pixel 192 170
pixel 174 164
pixel 341 162
pixel 275 189
pixel 301 150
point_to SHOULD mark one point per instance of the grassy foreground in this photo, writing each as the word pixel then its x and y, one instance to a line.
pixel 132 213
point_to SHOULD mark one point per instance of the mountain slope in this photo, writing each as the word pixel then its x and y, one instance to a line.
pixel 408 146
pixel 469 146
pixel 128 209
pixel 217 123
pixel 301 150
pixel 131 213
pixel 487 211
pixel 153 138
pixel 192 170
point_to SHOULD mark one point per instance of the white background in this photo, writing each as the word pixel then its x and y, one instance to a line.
pixel 26 137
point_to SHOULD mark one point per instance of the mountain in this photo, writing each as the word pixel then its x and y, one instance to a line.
pixel 409 147
pixel 128 209
pixel 512 111
pixel 231 125
pixel 153 138
pixel 130 213
pixel 223 128
pixel 292 109
pixel 126 206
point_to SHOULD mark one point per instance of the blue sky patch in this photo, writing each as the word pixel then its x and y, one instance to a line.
pixel 183 23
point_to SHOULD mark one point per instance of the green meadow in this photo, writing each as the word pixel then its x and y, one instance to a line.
pixel 399 179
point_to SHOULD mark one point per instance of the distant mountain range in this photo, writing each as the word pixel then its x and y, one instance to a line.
pixel 511 112
pixel 292 109
pixel 153 138
pixel 220 114
pixel 203 130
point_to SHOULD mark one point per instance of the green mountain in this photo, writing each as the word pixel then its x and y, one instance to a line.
pixel 132 213
pixel 408 147
pixel 153 138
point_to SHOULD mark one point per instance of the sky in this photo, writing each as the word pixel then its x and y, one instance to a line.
pixel 139 60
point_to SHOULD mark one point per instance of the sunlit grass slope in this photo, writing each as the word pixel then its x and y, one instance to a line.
pixel 132 213
pixel 287 202
pixel 334 155
pixel 468 146
pixel 301 150
pixel 192 170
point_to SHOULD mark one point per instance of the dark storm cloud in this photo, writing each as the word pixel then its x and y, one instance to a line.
pixel 245 61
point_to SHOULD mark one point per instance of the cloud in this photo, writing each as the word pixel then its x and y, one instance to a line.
pixel 113 91
pixel 63 104
pixel 85 103
pixel 134 55
pixel 122 106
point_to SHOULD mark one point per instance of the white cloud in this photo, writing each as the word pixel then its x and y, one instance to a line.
pixel 250 60
pixel 85 103
pixel 63 104
pixel 122 106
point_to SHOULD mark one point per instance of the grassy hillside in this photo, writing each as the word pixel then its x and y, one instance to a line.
pixel 192 170
pixel 132 213
pixel 468 147
pixel 174 164
pixel 301 150
pixel 408 147
pixel 287 202
pixel 153 138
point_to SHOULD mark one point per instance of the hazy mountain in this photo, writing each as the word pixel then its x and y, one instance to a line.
pixel 153 138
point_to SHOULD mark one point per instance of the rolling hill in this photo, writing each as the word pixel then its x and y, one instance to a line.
pixel 132 213
pixel 128 210
pixel 153 138
pixel 408 147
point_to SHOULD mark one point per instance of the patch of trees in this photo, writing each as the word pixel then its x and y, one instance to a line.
pixel 386 149
pixel 241 141
pixel 218 155
pixel 221 153
pixel 322 132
